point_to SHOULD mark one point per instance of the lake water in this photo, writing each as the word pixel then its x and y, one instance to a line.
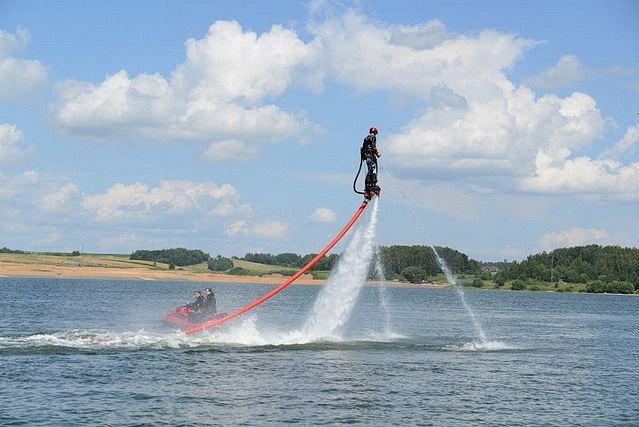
pixel 94 352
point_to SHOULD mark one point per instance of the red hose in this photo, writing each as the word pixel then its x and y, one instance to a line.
pixel 217 322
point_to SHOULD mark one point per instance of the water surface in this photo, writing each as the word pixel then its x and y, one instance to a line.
pixel 94 352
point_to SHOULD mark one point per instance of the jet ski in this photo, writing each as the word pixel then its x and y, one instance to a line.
pixel 185 317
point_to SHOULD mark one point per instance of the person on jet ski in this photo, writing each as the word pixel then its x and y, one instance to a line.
pixel 210 304
pixel 198 304
pixel 370 153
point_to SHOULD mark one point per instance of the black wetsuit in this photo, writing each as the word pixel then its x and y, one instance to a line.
pixel 369 153
pixel 197 316
pixel 210 304
pixel 197 304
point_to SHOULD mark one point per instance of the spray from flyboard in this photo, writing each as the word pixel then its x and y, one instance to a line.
pixel 337 298
pixel 450 277
pixel 383 297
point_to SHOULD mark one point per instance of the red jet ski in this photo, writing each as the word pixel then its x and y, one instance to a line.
pixel 185 317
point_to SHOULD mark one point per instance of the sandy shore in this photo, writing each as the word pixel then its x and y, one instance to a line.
pixel 15 269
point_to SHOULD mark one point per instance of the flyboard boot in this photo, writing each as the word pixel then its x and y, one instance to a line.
pixel 371 188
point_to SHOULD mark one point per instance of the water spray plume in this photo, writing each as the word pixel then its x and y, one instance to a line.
pixel 383 297
pixel 450 277
pixel 335 303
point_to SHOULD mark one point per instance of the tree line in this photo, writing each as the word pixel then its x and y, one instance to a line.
pixel 411 263
pixel 176 256
pixel 602 268
pixel 418 262
pixel 6 250
pixel 610 269
pixel 288 259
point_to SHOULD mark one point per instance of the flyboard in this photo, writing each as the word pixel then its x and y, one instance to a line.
pixel 213 323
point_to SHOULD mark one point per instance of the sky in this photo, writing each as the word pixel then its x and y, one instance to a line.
pixel 505 128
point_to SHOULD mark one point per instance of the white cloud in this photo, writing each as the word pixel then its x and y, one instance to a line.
pixel 271 230
pixel 577 237
pixel 13 185
pixel 125 216
pixel 323 216
pixel 237 227
pixel 568 71
pixel 584 176
pixel 57 199
pixel 411 59
pixel 217 93
pixel 11 149
pixel 31 176
pixel 120 241
pixel 230 64
pixel 500 136
pixel 229 150
pixel 51 238
pixel 422 36
pixel 10 42
pixel 267 230
pixel 479 125
pixel 630 138
pixel 20 79
pixel 136 201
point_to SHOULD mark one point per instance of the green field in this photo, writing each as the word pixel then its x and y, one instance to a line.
pixel 87 260
pixel 259 269
pixel 123 261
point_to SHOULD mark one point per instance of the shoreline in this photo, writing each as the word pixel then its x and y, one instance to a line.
pixel 20 270
pixel 64 269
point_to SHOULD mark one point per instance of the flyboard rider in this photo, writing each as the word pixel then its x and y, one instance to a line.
pixel 370 153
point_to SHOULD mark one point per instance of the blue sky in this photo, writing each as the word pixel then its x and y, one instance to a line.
pixel 234 127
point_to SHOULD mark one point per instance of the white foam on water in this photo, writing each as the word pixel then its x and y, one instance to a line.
pixel 383 336
pixel 240 333
pixel 97 339
pixel 246 333
pixel 481 346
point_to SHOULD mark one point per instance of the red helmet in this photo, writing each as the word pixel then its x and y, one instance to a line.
pixel 373 131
